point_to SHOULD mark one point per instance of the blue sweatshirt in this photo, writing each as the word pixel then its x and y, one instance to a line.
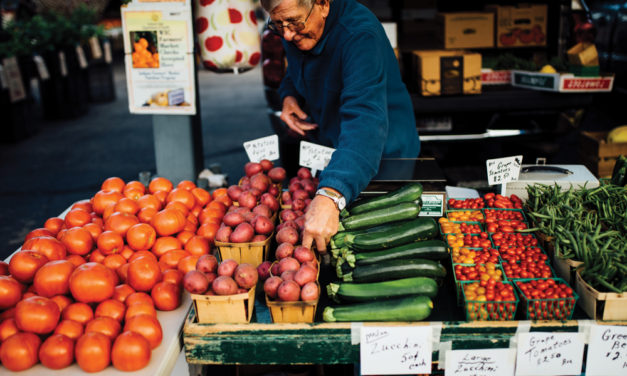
pixel 351 85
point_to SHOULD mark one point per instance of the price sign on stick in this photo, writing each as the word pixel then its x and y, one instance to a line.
pixel 484 362
pixel 316 157
pixel 541 353
pixel 503 170
pixel 395 350
pixel 607 351
pixel 263 148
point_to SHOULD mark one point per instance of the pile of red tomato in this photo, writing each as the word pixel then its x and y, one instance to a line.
pixel 508 239
pixel 87 287
pixel 489 200
pixel 547 299
pixel 527 269
pixel 529 254
pixel 505 225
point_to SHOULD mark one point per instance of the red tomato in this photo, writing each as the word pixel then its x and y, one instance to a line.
pixel 131 352
pixel 10 292
pixel 57 352
pixel 93 352
pixel 37 314
pixel 19 352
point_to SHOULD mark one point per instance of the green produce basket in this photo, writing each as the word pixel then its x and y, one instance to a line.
pixel 458 283
pixel 481 227
pixel 547 309
pixel 481 310
pixel 521 214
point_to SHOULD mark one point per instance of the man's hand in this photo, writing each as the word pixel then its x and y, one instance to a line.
pixel 294 116
pixel 321 223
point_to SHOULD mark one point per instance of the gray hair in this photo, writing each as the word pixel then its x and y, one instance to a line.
pixel 269 5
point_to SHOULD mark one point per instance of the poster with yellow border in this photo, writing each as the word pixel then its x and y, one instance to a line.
pixel 158 47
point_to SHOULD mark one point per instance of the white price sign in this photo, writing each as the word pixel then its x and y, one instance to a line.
pixel 395 350
pixel 94 45
pixel 263 148
pixel 42 69
pixel 108 57
pixel 82 59
pixel 607 351
pixel 503 170
pixel 541 353
pixel 62 64
pixel 485 362
pixel 314 156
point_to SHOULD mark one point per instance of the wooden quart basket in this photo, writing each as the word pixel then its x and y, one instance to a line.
pixel 231 309
pixel 292 312
pixel 249 253
pixel 600 305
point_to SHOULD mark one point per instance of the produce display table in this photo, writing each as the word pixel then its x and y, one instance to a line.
pixel 163 358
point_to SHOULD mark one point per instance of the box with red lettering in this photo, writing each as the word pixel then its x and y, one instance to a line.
pixel 562 82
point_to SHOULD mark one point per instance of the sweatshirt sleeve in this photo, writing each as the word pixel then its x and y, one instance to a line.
pixel 363 116
pixel 287 87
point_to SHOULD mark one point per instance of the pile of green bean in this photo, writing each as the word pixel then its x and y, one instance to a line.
pixel 587 225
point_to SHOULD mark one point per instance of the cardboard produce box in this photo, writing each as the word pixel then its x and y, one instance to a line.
pixel 439 72
pixel 466 30
pixel 520 26
pixel 495 77
pixel 562 82
pixel 598 154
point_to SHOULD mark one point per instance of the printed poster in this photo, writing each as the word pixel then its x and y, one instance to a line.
pixel 158 46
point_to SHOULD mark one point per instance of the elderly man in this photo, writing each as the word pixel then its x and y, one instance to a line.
pixel 343 89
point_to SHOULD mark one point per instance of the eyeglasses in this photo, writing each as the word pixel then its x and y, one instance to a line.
pixel 291 26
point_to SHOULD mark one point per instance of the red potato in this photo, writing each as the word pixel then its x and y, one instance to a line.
pixel 287 235
pixel 266 164
pixel 300 194
pixel 260 181
pixel 298 204
pixel 243 233
pixel 274 269
pixel 242 290
pixel 207 264
pixel 247 200
pixel 284 250
pixel 258 238
pixel 233 219
pixel 224 234
pixel 305 274
pixel 294 179
pixel 299 213
pixel 300 222
pixel 227 267
pixel 303 173
pixel 195 282
pixel 271 285
pixel 211 277
pixel 252 168
pixel 270 201
pixel 288 275
pixel 286 198
pixel 273 190
pixel 249 216
pixel 263 225
pixel 288 291
pixel 287 215
pixel 234 191
pixel 309 187
pixel 313 264
pixel 295 186
pixel 262 209
pixel 256 192
pixel 246 276
pixel 263 270
pixel 277 174
pixel 288 263
pixel 245 180
pixel 224 285
pixel 303 254
pixel 309 292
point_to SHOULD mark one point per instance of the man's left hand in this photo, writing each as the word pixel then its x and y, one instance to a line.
pixel 321 223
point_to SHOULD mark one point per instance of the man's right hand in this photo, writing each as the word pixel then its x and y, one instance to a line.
pixel 295 117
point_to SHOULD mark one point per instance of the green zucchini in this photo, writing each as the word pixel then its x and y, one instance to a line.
pixel 394 213
pixel 407 193
pixel 360 292
pixel 422 228
pixel 426 249
pixel 338 240
pixel 411 308
pixel 390 269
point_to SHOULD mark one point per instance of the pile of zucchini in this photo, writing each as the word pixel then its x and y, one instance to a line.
pixel 386 260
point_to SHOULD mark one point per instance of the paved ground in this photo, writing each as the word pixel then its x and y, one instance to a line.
pixel 66 161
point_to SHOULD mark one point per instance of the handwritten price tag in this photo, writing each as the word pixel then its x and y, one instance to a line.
pixel 607 351
pixel 395 350
pixel 42 69
pixel 263 148
pixel 82 59
pixel 503 170
pixel 314 156
pixel 62 64
pixel 480 362
pixel 94 45
pixel 108 57
pixel 541 353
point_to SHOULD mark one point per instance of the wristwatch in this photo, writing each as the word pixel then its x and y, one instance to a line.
pixel 339 200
